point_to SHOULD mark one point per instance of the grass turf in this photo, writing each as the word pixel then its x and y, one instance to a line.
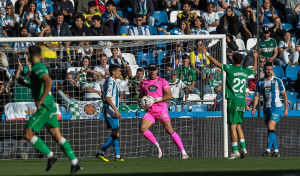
pixel 166 166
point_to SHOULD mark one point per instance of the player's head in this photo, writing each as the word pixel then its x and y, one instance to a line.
pixel 34 52
pixel 268 69
pixel 115 71
pixel 237 58
pixel 152 70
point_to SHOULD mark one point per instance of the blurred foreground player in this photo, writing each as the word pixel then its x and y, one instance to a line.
pixel 157 91
pixel 41 84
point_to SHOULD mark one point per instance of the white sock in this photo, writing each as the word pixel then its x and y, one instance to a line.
pixel 268 150
pixel 101 152
pixel 242 140
pixel 276 150
pixel 33 140
pixel 74 161
pixel 118 156
pixel 157 145
pixel 50 155
pixel 183 152
pixel 62 141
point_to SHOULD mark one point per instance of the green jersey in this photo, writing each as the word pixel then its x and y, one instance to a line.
pixel 186 74
pixel 267 47
pixel 37 86
pixel 236 79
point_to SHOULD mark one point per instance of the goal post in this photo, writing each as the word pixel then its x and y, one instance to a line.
pixel 87 135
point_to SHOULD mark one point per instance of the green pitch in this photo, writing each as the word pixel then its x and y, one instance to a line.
pixel 166 166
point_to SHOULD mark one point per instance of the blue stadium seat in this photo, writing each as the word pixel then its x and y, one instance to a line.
pixel 145 58
pixel 287 84
pixel 161 56
pixel 152 29
pixel 199 108
pixel 286 26
pixel 278 70
pixel 161 18
pixel 293 97
pixel 292 72
pixel 294 39
pixel 124 29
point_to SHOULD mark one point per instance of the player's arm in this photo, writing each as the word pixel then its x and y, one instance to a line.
pixel 48 85
pixel 108 100
pixel 212 59
pixel 255 102
pixel 285 100
pixel 255 60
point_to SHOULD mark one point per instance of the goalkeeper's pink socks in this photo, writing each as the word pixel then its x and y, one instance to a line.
pixel 150 136
pixel 177 140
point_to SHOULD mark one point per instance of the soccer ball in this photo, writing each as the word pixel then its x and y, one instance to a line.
pixel 142 102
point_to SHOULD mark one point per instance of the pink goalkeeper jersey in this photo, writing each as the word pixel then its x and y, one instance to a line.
pixel 155 88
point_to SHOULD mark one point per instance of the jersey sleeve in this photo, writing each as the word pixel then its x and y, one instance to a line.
pixel 193 57
pixel 227 68
pixel 165 84
pixel 281 44
pixel 109 88
pixel 40 73
pixel 281 85
pixel 249 71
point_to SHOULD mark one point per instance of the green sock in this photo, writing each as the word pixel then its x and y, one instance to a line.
pixel 41 146
pixel 243 143
pixel 67 149
pixel 234 146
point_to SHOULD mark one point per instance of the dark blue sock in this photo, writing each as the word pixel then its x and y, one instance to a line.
pixel 107 144
pixel 116 147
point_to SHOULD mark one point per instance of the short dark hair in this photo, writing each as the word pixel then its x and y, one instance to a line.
pixel 188 3
pixel 229 7
pixel 268 64
pixel 138 16
pixel 113 68
pixel 96 17
pixel 92 4
pixel 80 16
pixel 112 3
pixel 210 3
pixel 185 56
pixel 140 70
pixel 60 14
pixel 237 58
pixel 103 55
pixel 34 51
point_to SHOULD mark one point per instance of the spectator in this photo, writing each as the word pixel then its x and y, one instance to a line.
pixel 298 46
pixel 32 19
pixel 81 75
pixel 287 50
pixel 268 47
pixel 262 62
pixel 174 60
pixel 211 18
pixel 249 26
pixel 48 48
pixel 277 31
pixel 198 59
pixel 231 47
pixel 46 8
pixel 117 59
pixel 4 95
pixel 98 29
pixel 101 5
pixel 84 50
pixel 4 74
pixel 91 88
pixel 229 22
pixel 66 8
pixel 199 28
pixel 267 14
pixel 138 29
pixel 134 84
pixel 60 28
pixel 103 68
pixel 187 14
pixel 145 8
pixel 214 74
pixel 188 75
pixel 20 48
pixel 80 29
pixel 177 87
pixel 170 5
pixel 3 4
pixel 237 5
pixel 21 6
pixel 90 13
pixel 82 6
pixel 183 30
pixel 21 93
pixel 111 18
pixel 10 21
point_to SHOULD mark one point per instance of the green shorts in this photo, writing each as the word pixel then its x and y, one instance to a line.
pixel 41 118
pixel 235 111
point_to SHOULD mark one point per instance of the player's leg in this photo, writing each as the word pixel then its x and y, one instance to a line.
pixel 272 135
pixel 233 120
pixel 168 127
pixel 147 121
pixel 116 135
pixel 242 140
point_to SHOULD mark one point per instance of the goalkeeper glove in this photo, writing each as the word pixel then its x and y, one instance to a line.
pixel 141 105
pixel 150 101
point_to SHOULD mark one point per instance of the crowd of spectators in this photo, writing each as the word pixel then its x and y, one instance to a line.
pixel 186 68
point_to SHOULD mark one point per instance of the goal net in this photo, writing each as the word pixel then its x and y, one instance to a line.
pixel 77 62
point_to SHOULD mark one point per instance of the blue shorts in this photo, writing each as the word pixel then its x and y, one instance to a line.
pixel 273 114
pixel 111 119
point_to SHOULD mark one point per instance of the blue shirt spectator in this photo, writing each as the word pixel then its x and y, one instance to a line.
pixel 66 7
pixel 145 8
pixel 267 14
pixel 32 19
pixel 3 4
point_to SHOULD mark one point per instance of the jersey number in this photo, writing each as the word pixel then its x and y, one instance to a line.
pixel 237 82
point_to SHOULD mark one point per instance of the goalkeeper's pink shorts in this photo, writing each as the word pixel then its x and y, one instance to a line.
pixel 160 116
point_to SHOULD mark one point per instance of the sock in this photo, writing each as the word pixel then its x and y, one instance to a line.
pixel 270 138
pixel 276 150
pixel 177 140
pixel 243 143
pixel 74 162
pixel 268 150
pixel 275 142
pixel 106 145
pixel 50 155
pixel 183 152
pixel 150 136
pixel 67 148
pixel 234 146
pixel 116 147
pixel 39 144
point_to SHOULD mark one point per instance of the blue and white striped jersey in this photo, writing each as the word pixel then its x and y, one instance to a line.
pixel 270 90
pixel 111 89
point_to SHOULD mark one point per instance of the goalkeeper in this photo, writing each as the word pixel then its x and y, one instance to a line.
pixel 157 91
